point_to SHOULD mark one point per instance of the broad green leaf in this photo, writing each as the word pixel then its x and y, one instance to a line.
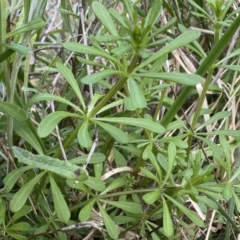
pixel 16 236
pixel 95 184
pixel 178 42
pixel 17 48
pixel 34 24
pixel 85 212
pixel 84 138
pixel 112 229
pixel 214 118
pixel 152 197
pixel 68 75
pixel 167 220
pixel 137 122
pixel 47 96
pixel 48 124
pixel 172 151
pixel 103 15
pixel 13 176
pixel 42 229
pixel 62 168
pixel 115 132
pixel 189 213
pixel 126 206
pixel 60 205
pixel 22 227
pixel 95 158
pixel 96 77
pixel 14 111
pixel 81 48
pixel 136 95
pixel 117 183
pixel 180 78
pixel 22 212
pixel 22 129
pixel 20 197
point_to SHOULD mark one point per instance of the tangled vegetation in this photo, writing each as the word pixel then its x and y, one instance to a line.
pixel 119 119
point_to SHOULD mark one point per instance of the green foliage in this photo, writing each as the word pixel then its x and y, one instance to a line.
pixel 119 122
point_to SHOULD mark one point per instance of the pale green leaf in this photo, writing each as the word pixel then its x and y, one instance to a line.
pixel 103 15
pixel 95 184
pixel 17 48
pixel 227 191
pixel 95 158
pixel 152 197
pixel 153 14
pixel 20 197
pixel 126 206
pixel 47 96
pixel 115 132
pixel 167 220
pixel 68 75
pixel 48 124
pixel 60 205
pixel 108 38
pixel 84 138
pixel 189 213
pixel 112 229
pixel 137 122
pixel 178 42
pixel 12 177
pixel 34 24
pixel 85 212
pixel 62 168
pixel 22 226
pixel 117 183
pixel 96 77
pixel 14 111
pixel 180 78
pixel 210 203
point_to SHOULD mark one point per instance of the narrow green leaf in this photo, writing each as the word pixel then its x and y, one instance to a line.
pixel 180 78
pixel 237 201
pixel 5 55
pixel 47 125
pixel 17 48
pixel 95 158
pixel 95 184
pixel 47 96
pixel 207 201
pixel 96 77
pixel 137 97
pixel 22 227
pixel 153 14
pixel 117 183
pixel 126 206
pixel 22 129
pixel 172 151
pixel 81 48
pixel 227 154
pixel 12 178
pixel 214 118
pixel 85 212
pixel 3 208
pixel 178 42
pixel 234 133
pixel 149 174
pixel 34 24
pixel 231 67
pixel 227 191
pixel 62 168
pixel 103 15
pixel 60 205
pixel 167 220
pixel 84 138
pixel 137 122
pixel 189 213
pixel 108 38
pixel 151 198
pixel 14 111
pixel 20 197
pixel 115 132
pixel 128 5
pixel 68 75
pixel 112 229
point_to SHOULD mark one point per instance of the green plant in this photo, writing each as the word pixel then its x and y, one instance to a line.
pixel 119 151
